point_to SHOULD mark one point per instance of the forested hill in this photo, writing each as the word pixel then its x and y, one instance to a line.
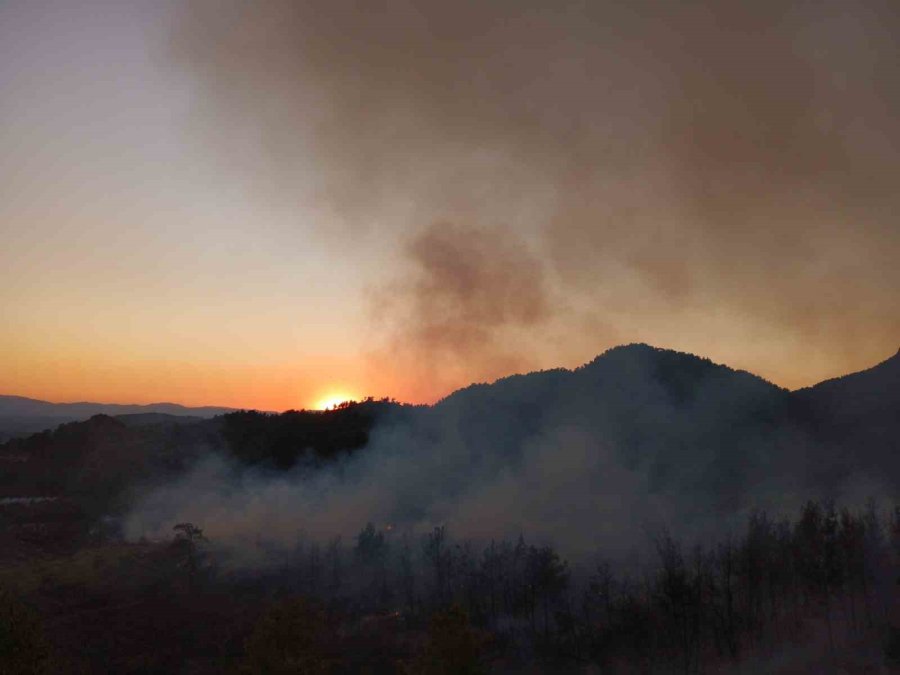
pixel 99 461
pixel 308 435
pixel 857 418
pixel 683 422
pixel 692 425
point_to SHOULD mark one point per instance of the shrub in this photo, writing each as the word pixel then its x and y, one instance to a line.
pixel 23 647
pixel 292 638
pixel 892 646
pixel 453 646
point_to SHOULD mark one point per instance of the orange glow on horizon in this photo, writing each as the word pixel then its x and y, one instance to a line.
pixel 332 400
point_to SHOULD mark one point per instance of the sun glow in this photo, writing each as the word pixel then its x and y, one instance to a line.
pixel 332 400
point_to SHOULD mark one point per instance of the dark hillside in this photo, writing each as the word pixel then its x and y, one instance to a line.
pixel 692 425
pixel 101 462
pixel 868 399
pixel 96 462
pixel 688 425
pixel 855 421
pixel 572 462
pixel 294 436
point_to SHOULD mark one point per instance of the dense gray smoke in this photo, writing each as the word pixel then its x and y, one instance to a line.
pixel 561 490
pixel 469 291
pixel 551 174
pixel 595 461
pixel 672 166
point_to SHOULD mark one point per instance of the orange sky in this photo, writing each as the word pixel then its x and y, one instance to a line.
pixel 258 205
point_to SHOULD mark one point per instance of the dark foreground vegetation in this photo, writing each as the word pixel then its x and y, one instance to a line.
pixel 816 594
pixel 100 464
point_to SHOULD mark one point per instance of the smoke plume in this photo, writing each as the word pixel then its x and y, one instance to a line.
pixel 703 171
pixel 596 459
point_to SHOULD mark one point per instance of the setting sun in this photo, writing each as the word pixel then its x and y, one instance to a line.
pixel 332 400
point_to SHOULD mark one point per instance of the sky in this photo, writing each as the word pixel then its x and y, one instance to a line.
pixel 264 204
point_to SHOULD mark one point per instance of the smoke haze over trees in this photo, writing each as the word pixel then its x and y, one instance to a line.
pixel 650 507
pixel 638 439
pixel 287 203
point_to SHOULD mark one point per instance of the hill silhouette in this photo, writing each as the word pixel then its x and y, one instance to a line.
pixel 481 501
pixel 100 462
pixel 855 420
pixel 693 427
pixel 648 432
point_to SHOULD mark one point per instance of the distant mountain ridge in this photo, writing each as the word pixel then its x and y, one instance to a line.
pixel 21 405
pixel 20 415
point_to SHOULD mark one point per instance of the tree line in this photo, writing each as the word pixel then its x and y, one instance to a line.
pixel 432 603
pixel 750 591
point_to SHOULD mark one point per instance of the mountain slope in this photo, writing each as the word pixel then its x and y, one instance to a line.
pixel 682 422
pixel 639 435
pixel 856 418
pixel 862 395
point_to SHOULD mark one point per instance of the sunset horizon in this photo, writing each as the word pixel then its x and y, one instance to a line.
pixel 254 205
pixel 437 337
pixel 330 396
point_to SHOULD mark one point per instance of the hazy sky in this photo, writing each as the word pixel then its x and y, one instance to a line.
pixel 258 204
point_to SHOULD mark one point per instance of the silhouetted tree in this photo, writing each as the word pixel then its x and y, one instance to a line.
pixel 547 579
pixel 407 577
pixel 434 550
pixel 676 594
pixel 726 619
pixel 371 553
pixel 335 569
pixel 189 538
